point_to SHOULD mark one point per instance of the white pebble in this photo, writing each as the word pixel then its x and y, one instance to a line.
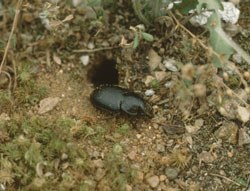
pixel 230 14
pixel 91 45
pixel 149 92
pixel 168 84
pixel 85 60
pixel 170 65
pixel 138 136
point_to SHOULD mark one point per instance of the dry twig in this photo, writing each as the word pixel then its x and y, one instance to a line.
pixel 228 179
pixel 178 24
pixel 17 13
pixel 96 50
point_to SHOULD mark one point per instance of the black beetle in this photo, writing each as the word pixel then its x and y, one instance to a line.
pixel 116 99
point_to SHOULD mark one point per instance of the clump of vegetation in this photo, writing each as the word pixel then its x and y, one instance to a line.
pixel 27 93
pixel 52 153
pixel 117 169
pixel 37 150
pixel 6 101
pixel 124 129
pixel 180 157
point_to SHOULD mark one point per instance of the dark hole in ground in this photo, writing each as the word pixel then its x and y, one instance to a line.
pixel 104 72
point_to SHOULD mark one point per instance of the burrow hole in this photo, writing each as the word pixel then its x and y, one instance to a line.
pixel 103 72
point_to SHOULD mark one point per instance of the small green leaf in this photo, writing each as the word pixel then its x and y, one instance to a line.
pixel 147 36
pixel 186 5
pixel 94 3
pixel 124 129
pixel 241 181
pixel 136 41
pixel 155 84
pixel 33 155
pixel 218 41
pixel 187 83
pixel 117 149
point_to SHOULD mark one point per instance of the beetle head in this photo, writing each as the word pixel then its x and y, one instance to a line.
pixel 143 109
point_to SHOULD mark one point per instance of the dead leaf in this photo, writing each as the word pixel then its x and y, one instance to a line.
pixel 124 42
pixel 154 59
pixel 189 139
pixel 227 132
pixel 57 59
pixel 4 117
pixel 48 104
pixel 160 75
pixel 68 18
pixel 148 80
pixel 173 129
pixel 170 64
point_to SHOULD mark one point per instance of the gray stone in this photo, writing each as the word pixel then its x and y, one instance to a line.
pixel 172 173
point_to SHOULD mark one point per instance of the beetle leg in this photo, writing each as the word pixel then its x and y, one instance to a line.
pixel 127 109
pixel 148 110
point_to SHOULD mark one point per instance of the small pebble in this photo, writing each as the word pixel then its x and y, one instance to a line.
pixel 163 178
pixel 138 136
pixel 153 181
pixel 132 155
pixel 85 60
pixel 129 188
pixel 149 92
pixel 100 173
pixel 168 84
pixel 2 187
pixel 228 132
pixel 172 173
pixel 170 65
pixel 91 45
pixel 98 163
pixel 140 175
pixel 160 148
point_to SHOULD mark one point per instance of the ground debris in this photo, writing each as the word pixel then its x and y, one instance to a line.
pixel 228 132
pixel 48 104
pixel 153 181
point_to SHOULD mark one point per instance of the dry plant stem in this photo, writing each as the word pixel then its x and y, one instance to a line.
pixel 211 50
pixel 19 4
pixel 228 179
pixel 205 47
pixel 15 76
pixel 236 95
pixel 178 24
pixel 246 57
pixel 9 78
pixel 96 50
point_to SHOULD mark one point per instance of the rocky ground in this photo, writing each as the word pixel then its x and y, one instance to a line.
pixel 52 138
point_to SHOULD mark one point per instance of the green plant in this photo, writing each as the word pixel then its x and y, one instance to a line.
pixel 222 45
pixel 147 10
pixel 34 146
pixel 140 34
pixel 124 129
pixel 118 171
pixel 28 91
pixel 6 101
pixel 154 84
